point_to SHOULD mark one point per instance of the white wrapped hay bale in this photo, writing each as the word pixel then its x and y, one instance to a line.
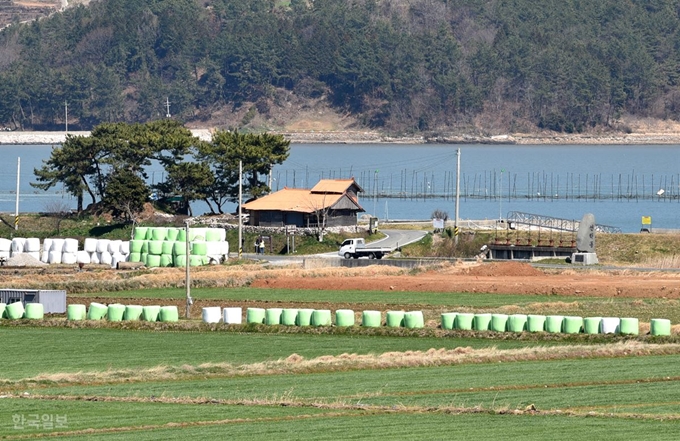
pixel 90 245
pixel 94 258
pixel 54 256
pixel 18 244
pixel 103 245
pixel 115 258
pixel 114 246
pixel 5 254
pixel 224 248
pixel 5 245
pixel 47 246
pixel 70 246
pixel 69 258
pixel 214 250
pixel 197 234
pixel 125 247
pixel 57 245
pixel 32 245
pixel 105 258
pixel 83 257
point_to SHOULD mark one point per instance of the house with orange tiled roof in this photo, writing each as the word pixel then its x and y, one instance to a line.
pixel 331 202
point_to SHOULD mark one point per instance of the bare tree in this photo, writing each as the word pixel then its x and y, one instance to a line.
pixel 57 209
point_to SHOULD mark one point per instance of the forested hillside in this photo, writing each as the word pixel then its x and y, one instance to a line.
pixel 400 66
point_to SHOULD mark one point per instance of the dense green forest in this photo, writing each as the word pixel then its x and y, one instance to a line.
pixel 397 65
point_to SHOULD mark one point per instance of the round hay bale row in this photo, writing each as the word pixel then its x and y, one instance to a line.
pixel 552 323
pixel 116 312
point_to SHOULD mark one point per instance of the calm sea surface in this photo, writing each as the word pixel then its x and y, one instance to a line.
pixel 618 184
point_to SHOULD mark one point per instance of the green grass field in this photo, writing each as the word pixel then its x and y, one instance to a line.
pixel 113 383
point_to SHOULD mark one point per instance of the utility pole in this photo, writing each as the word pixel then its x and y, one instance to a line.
pixel 500 197
pixel 375 193
pixel 455 225
pixel 240 202
pixel 187 273
pixel 16 210
pixel 167 108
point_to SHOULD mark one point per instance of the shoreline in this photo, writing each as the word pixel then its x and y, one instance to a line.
pixel 373 137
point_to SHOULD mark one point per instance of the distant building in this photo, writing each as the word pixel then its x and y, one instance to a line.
pixel 332 202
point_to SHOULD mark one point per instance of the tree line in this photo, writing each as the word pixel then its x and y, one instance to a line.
pixel 416 66
pixel 109 167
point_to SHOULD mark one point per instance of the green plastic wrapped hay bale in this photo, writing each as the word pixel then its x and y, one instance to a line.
pixel 344 317
pixel 195 260
pixel 372 319
pixel 499 322
pixel 158 233
pixel 447 320
pixel 14 311
pixel 155 247
pixel 2 310
pixel 213 235
pixel 153 260
pixel 255 315
pixel 535 323
pixel 395 319
pixel 171 234
pixel 289 316
pixel 167 247
pixel 97 311
pixel 136 246
pixel 76 312
pixel 591 325
pixel 660 327
pixel 517 323
pixel 321 317
pixel 169 314
pixel 135 257
pixel 179 248
pixel 179 261
pixel 143 257
pixel 482 322
pixel 304 317
pixel 166 260
pixel 464 321
pixel 272 316
pixel 115 312
pixel 145 247
pixel 150 313
pixel 181 235
pixel 414 320
pixel 572 325
pixel 199 248
pixel 553 323
pixel 34 311
pixel 133 312
pixel 628 326
pixel 140 233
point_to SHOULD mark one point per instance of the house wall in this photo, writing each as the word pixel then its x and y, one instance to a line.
pixel 276 218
